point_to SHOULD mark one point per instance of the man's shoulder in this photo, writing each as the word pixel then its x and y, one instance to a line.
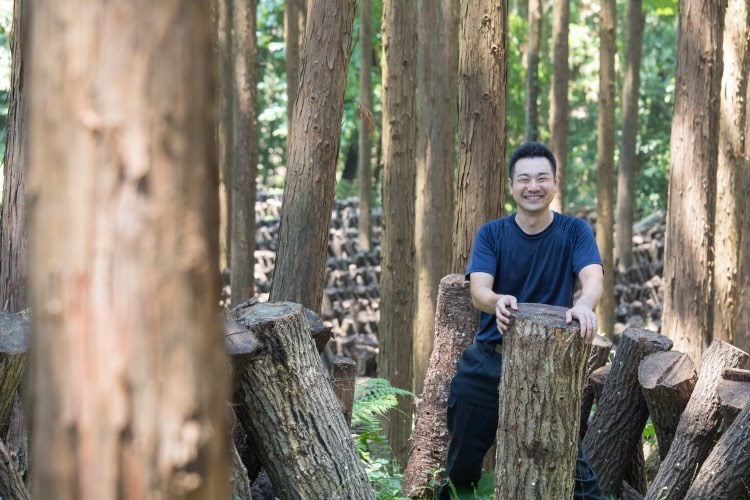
pixel 496 225
pixel 570 223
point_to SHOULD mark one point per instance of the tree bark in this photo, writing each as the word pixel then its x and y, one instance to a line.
pixel 288 389
pixel 366 126
pixel 688 260
pixel 544 362
pixel 344 376
pixel 11 483
pixel 239 479
pixel 558 103
pixel 600 350
pixel 621 412
pixel 698 425
pixel 225 132
pixel 314 148
pixel 742 331
pixel 598 378
pixel 124 196
pixel 453 334
pixel 733 395
pixel 532 69
pixel 605 168
pixel 628 154
pixel 14 343
pixel 483 63
pixel 294 31
pixel 726 471
pixel 17 438
pixel 667 380
pixel 397 281
pixel 437 83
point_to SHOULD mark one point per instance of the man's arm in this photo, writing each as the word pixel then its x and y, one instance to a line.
pixel 490 302
pixel 592 286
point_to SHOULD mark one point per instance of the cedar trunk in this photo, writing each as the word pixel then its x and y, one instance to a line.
pixel 532 69
pixel 224 28
pixel 294 30
pixel 544 362
pixel 129 374
pixel 313 150
pixel 366 126
pixel 483 62
pixel 558 103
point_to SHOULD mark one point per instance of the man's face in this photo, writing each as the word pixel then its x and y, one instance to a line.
pixel 533 185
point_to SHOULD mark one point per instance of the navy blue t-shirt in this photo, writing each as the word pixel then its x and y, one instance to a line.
pixel 541 268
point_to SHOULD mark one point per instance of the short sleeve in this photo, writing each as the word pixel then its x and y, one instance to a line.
pixel 484 253
pixel 585 251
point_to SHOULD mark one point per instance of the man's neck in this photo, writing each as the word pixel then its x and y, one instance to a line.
pixel 534 223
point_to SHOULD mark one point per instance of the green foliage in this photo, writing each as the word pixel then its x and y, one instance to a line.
pixel 649 433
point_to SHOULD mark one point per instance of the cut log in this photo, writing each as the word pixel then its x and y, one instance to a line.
pixel 597 380
pixel 17 438
pixel 240 482
pixel 726 471
pixel 733 396
pixel 285 402
pixel 630 493
pixel 635 473
pixel 453 334
pixel 344 374
pixel 600 350
pixel 544 362
pixel 667 381
pixel 621 412
pixel 736 374
pixel 11 484
pixel 697 428
pixel 13 346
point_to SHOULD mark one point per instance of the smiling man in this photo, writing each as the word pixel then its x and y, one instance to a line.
pixel 534 255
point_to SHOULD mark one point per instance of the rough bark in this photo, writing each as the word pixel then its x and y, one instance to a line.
pixel 605 167
pixel 738 374
pixel 226 79
pixel 314 148
pixel 453 334
pixel 698 425
pixel 733 396
pixel 598 378
pixel 742 332
pixel 688 259
pixel 558 103
pixel 621 412
pixel 532 69
pixel 544 362
pixel 630 492
pixel 600 350
pixel 635 472
pixel 732 164
pixel 123 183
pixel 17 438
pixel 667 381
pixel 628 155
pixel 437 84
pixel 397 280
pixel 288 389
pixel 366 126
pixel 344 375
pixel 294 30
pixel 726 471
pixel 482 67
pixel 13 227
pixel 239 479
pixel 11 483
pixel 14 343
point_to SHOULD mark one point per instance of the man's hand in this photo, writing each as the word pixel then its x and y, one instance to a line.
pixel 587 318
pixel 502 311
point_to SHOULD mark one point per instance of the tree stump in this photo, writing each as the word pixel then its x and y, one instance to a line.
pixel 698 424
pixel 667 381
pixel 344 375
pixel 733 395
pixel 597 380
pixel 544 362
pixel 13 346
pixel 453 334
pixel 621 412
pixel 726 471
pixel 285 402
pixel 600 349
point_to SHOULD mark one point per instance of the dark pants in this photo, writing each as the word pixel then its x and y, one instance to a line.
pixel 473 417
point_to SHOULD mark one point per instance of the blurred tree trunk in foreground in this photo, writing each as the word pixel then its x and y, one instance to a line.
pixel 366 126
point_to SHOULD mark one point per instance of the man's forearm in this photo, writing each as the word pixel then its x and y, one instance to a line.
pixel 485 300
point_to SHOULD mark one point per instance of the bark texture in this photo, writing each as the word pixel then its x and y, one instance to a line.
pixel 397 279
pixel 455 325
pixel 621 412
pixel 294 31
pixel 14 344
pixel 558 103
pixel 129 372
pixel 688 259
pixel 733 395
pixel 11 483
pixel 532 69
pixel 224 26
pixel 600 350
pixel 544 362
pixel 667 380
pixel 312 454
pixel 344 376
pixel 482 68
pixel 314 148
pixel 366 126
pixel 698 425
pixel 437 83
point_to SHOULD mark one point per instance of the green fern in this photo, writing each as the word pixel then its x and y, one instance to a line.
pixel 373 398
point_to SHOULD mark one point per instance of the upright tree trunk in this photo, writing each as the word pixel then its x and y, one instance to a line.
pixel 294 30
pixel 742 335
pixel 13 231
pixel 366 126
pixel 130 376
pixel 314 148
pixel 397 242
pixel 605 167
pixel 558 114
pixel 245 156
pixel 224 25
pixel 437 82
pixel 532 69
pixel 730 171
pixel 481 122
pixel 689 256
pixel 628 156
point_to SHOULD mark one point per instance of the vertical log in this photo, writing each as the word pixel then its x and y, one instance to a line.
pixel 344 375
pixel 600 350
pixel 11 484
pixel 544 361
pixel 13 347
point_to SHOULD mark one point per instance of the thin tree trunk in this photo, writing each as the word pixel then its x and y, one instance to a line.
pixel 688 258
pixel 558 115
pixel 628 157
pixel 532 69
pixel 314 148
pixel 480 191
pixel 437 82
pixel 397 281
pixel 226 143
pixel 294 31
pixel 129 371
pixel 742 335
pixel 366 126
pixel 605 169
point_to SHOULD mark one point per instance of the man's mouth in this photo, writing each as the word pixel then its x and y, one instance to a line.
pixel 534 197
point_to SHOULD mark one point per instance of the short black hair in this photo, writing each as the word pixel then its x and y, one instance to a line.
pixel 531 150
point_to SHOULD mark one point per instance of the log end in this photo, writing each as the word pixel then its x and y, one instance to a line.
pixel 14 333
pixel 542 314
pixel 667 368
pixel 642 335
